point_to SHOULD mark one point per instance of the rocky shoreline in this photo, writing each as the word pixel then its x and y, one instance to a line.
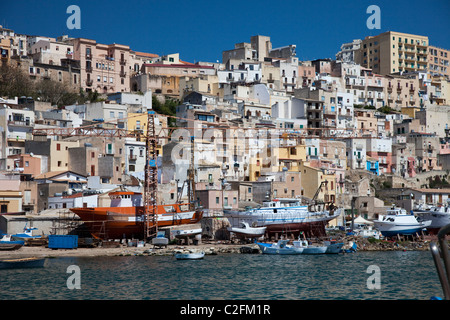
pixel 210 248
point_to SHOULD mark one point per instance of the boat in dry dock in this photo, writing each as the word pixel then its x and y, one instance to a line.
pixel 246 231
pixel 438 215
pixel 126 216
pixel 286 216
pixel 398 222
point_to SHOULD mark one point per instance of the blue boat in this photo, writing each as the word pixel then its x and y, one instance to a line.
pixel 6 243
pixel 281 247
pixel 26 235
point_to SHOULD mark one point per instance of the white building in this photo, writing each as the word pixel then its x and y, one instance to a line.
pixel 16 126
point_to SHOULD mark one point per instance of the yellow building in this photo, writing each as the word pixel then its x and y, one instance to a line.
pixel 138 122
pixel 391 52
pixel 312 179
pixel 5 51
pixel 208 84
pixel 410 111
pixel 289 157
pixel 59 154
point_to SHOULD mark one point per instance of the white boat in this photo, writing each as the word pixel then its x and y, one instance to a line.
pixel 398 222
pixel 189 255
pixel 281 247
pixel 309 249
pixel 247 231
pixel 333 246
pixel 286 215
pixel 439 216
pixel 6 243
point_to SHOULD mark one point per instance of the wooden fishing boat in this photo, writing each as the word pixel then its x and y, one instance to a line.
pixel 22 263
pixel 126 217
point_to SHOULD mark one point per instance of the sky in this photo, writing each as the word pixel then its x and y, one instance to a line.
pixel 201 30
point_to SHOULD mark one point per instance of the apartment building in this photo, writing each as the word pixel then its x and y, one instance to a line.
pixel 104 68
pixel 438 61
pixel 349 51
pixel 16 125
pixel 392 52
pixel 17 43
pixel 51 52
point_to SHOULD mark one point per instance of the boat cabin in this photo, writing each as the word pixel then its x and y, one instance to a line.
pixel 125 199
pixel 281 203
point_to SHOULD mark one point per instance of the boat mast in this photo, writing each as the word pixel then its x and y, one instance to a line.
pixel 151 178
pixel 191 184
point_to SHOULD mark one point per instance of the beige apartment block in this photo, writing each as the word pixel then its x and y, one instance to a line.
pixel 392 52
pixel 402 91
pixel 104 68
pixel 438 61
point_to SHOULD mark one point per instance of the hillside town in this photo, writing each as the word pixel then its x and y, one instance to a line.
pixel 364 130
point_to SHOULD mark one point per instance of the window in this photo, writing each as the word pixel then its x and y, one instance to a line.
pixel 217 200
pixel 58 146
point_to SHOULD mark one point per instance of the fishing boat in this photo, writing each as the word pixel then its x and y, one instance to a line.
pixel 398 222
pixel 439 216
pixel 281 247
pixel 333 246
pixel 286 215
pixel 308 248
pixel 22 263
pixel 126 216
pixel 6 243
pixel 27 234
pixel 246 231
pixel 189 255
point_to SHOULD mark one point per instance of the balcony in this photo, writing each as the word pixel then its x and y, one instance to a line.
pixel 132 157
pixel 89 82
pixel 89 69
pixel 20 123
pixel 122 62
pixel 122 74
pixel 88 56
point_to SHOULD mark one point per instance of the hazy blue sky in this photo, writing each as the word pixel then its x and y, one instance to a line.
pixel 201 30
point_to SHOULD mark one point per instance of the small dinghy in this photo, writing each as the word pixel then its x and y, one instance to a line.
pixel 22 263
pixel 190 255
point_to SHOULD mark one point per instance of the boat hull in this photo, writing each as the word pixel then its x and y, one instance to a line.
pixel 190 256
pixel 269 249
pixel 128 222
pixel 438 219
pixel 10 245
pixel 285 221
pixel 392 229
pixel 22 263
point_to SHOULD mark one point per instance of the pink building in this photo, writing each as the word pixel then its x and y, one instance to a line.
pixel 104 68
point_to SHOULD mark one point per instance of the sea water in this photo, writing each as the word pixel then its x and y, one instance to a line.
pixel 397 275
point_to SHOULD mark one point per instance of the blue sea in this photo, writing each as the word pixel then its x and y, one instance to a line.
pixel 398 275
